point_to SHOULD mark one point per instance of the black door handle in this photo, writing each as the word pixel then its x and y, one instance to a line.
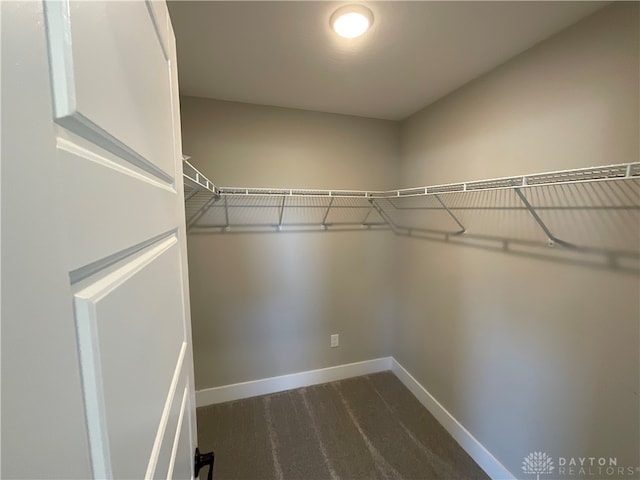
pixel 201 460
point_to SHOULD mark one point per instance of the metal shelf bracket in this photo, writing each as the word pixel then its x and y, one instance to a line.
pixel 463 230
pixel 552 239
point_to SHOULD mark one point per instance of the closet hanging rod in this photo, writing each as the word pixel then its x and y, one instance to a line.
pixel 607 173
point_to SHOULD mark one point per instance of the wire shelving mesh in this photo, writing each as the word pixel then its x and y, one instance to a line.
pixel 593 210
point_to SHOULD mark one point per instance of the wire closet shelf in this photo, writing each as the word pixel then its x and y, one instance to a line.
pixel 597 205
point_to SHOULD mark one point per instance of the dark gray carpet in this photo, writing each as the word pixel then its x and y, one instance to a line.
pixel 359 428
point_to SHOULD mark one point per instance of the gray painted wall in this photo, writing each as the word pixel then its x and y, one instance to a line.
pixel 265 304
pixel 529 354
pixel 526 353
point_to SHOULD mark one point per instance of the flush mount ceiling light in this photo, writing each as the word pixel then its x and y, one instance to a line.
pixel 351 21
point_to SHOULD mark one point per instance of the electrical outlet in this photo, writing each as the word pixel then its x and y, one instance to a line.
pixel 335 340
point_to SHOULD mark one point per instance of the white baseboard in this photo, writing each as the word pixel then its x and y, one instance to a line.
pixel 264 386
pixel 471 445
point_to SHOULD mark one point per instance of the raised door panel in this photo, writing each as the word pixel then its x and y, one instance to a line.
pixel 133 355
pixel 181 467
pixel 111 79
pixel 109 206
pixel 171 460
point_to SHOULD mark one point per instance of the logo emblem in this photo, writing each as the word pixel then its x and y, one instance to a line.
pixel 538 463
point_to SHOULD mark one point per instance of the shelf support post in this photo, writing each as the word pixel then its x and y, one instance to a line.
pixel 226 213
pixel 364 222
pixel 552 238
pixel 191 194
pixel 455 219
pixel 326 214
pixel 281 212
pixel 196 216
pixel 384 215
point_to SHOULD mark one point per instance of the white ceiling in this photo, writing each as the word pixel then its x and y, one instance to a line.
pixel 285 54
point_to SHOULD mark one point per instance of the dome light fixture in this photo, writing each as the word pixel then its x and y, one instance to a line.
pixel 351 21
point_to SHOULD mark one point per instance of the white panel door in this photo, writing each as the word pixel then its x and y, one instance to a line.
pixel 106 118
